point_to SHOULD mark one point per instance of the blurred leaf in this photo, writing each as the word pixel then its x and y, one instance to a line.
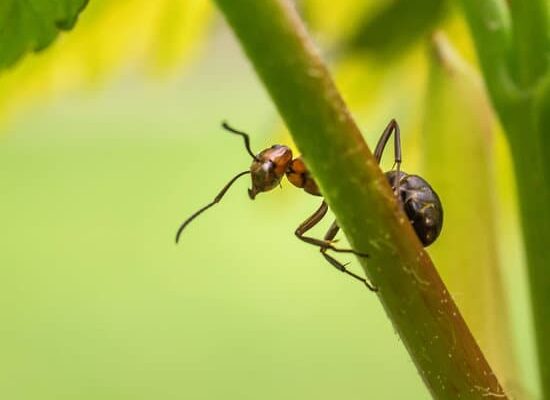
pixel 396 88
pixel 397 26
pixel 179 24
pixel 155 36
pixel 392 90
pixel 458 136
pixel 334 22
pixel 33 24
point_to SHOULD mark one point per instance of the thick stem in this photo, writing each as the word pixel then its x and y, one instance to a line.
pixel 420 307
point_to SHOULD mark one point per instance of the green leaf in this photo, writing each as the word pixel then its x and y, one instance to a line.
pixel 31 25
pixel 398 26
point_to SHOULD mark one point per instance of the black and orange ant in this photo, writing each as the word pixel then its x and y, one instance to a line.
pixel 420 202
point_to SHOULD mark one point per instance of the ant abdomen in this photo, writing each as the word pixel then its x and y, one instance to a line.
pixel 421 204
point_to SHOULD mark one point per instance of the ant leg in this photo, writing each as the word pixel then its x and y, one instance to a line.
pixel 309 223
pixel 332 231
pixel 329 236
pixel 244 135
pixel 342 267
pixel 393 127
pixel 313 220
pixel 326 244
pixel 322 243
pixel 206 207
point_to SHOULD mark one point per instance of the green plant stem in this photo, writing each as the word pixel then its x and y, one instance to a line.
pixel 535 216
pixel 516 107
pixel 414 297
pixel 531 39
pixel 490 25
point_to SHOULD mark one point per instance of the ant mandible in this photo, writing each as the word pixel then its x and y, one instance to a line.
pixel 420 202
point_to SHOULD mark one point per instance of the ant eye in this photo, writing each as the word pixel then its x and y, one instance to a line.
pixel 267 167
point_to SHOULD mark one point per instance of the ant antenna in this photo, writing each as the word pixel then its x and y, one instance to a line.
pixel 244 135
pixel 206 207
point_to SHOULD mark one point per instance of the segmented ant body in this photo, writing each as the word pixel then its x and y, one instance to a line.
pixel 420 202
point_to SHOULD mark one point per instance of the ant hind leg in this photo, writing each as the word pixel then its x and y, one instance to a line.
pixel 329 236
pixel 391 129
pixel 342 267
pixel 326 243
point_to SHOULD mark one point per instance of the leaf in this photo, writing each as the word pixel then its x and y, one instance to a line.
pixel 397 26
pixel 31 25
pixel 110 35
pixel 334 22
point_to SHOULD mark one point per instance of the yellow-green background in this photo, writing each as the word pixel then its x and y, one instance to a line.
pixel 97 302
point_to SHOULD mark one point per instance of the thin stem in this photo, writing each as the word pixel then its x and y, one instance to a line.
pixel 420 307
pixel 534 197
pixel 489 22
pixel 526 130
pixel 530 39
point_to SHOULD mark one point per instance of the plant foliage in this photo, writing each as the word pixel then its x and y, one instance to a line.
pixel 32 25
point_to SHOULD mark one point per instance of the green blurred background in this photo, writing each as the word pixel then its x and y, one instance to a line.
pixel 97 301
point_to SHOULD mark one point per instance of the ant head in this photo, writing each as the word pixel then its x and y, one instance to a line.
pixel 298 174
pixel 268 168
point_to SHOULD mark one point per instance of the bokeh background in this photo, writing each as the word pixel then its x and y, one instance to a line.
pixel 111 137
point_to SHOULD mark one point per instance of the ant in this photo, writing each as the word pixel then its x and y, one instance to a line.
pixel 420 202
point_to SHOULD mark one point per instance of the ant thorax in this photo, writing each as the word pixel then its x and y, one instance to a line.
pixel 298 174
